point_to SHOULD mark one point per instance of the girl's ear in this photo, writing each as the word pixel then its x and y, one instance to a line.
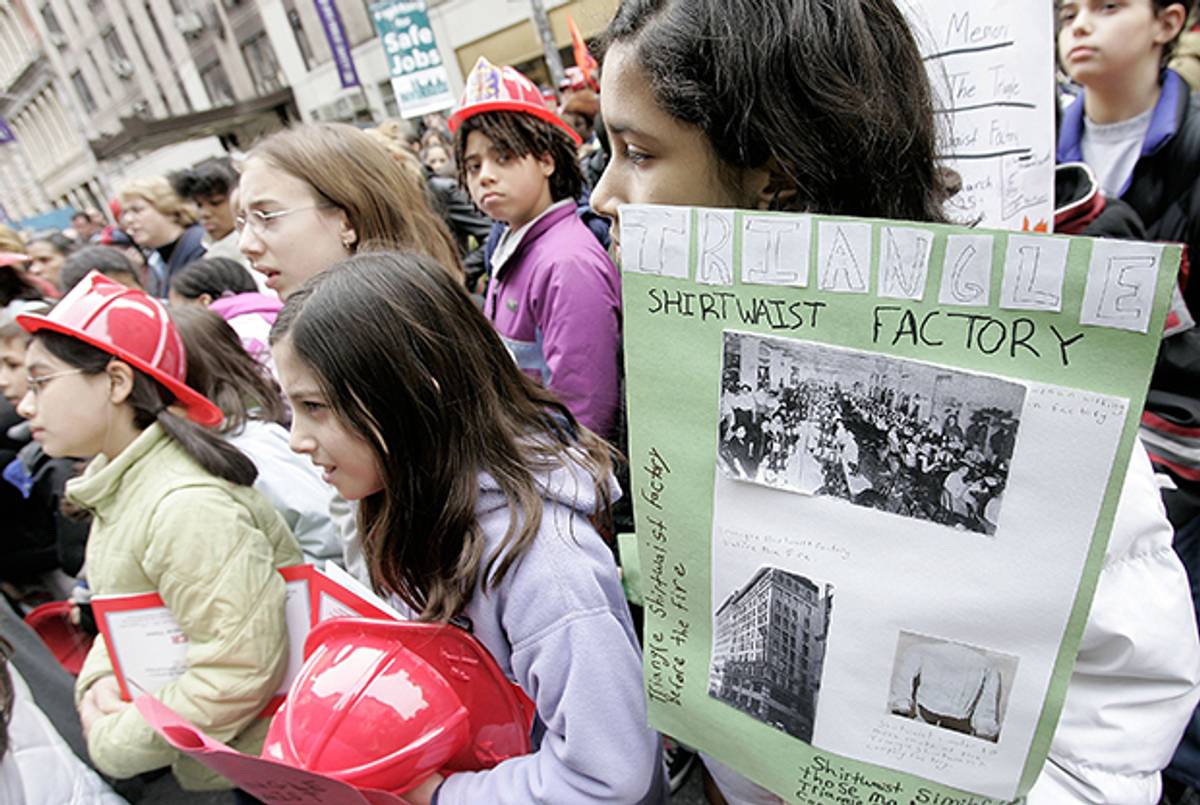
pixel 205 299
pixel 347 233
pixel 120 382
pixel 769 188
pixel 546 162
pixel 1170 22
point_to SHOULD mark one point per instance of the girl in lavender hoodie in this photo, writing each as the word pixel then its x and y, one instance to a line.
pixel 479 498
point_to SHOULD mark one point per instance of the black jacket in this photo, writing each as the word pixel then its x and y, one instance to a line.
pixel 1163 192
pixel 1081 208
pixel 467 224
pixel 39 536
pixel 188 248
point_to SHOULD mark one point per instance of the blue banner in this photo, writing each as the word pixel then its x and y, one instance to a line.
pixel 6 133
pixel 335 32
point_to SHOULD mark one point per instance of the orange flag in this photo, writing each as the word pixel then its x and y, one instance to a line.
pixel 583 57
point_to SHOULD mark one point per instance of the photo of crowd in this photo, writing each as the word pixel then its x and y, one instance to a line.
pixel 901 436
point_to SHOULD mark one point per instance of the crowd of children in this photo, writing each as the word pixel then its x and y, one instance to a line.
pixel 402 354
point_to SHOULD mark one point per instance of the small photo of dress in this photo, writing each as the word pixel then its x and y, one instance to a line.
pixel 950 685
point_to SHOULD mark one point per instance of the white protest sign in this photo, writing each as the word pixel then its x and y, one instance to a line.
pixel 991 67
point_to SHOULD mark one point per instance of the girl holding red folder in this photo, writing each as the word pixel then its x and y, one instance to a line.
pixel 173 512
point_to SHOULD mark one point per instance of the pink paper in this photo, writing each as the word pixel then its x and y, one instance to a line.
pixel 269 781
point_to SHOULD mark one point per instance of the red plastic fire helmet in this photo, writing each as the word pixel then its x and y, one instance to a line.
pixel 130 325
pixel 68 642
pixel 384 704
pixel 492 89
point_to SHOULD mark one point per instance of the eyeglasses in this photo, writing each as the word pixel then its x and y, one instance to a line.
pixel 36 384
pixel 259 221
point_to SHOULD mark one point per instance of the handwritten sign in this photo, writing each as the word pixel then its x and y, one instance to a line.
pixel 850 440
pixel 663 592
pixel 991 67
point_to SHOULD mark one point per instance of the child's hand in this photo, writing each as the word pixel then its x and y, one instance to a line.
pixel 101 699
pixel 423 794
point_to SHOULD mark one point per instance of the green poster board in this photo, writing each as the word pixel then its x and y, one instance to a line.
pixel 874 469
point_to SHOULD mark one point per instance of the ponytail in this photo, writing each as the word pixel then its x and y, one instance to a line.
pixel 217 456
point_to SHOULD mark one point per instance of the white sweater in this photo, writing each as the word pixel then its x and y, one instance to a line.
pixel 1136 679
pixel 39 768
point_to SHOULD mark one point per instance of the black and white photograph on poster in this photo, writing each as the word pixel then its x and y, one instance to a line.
pixel 769 647
pixel 911 438
pixel 951 685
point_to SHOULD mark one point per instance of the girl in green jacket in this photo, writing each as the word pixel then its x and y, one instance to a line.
pixel 173 512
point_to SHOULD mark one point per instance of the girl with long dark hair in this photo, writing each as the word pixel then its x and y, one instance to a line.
pixel 479 501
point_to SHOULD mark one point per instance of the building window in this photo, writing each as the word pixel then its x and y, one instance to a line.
pixel 260 58
pixel 51 20
pixel 216 83
pixel 113 46
pixel 85 94
pixel 95 69
pixel 388 92
pixel 301 38
pixel 154 22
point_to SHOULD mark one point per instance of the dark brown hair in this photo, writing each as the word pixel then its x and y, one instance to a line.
pixel 57 240
pixel 6 693
pixel 212 177
pixel 14 285
pixel 150 400
pixel 215 276
pixel 108 261
pixel 219 367
pixel 519 135
pixel 831 97
pixel 406 361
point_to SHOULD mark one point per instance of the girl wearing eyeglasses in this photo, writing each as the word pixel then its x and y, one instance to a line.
pixel 317 193
pixel 173 512
pixel 824 107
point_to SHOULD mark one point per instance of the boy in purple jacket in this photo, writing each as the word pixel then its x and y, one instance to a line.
pixel 555 296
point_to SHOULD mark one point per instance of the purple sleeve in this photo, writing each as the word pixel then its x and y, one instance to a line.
pixel 608 756
pixel 579 315
pixel 560 619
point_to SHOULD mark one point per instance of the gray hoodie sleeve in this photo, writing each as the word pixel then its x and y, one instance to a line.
pixel 559 624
